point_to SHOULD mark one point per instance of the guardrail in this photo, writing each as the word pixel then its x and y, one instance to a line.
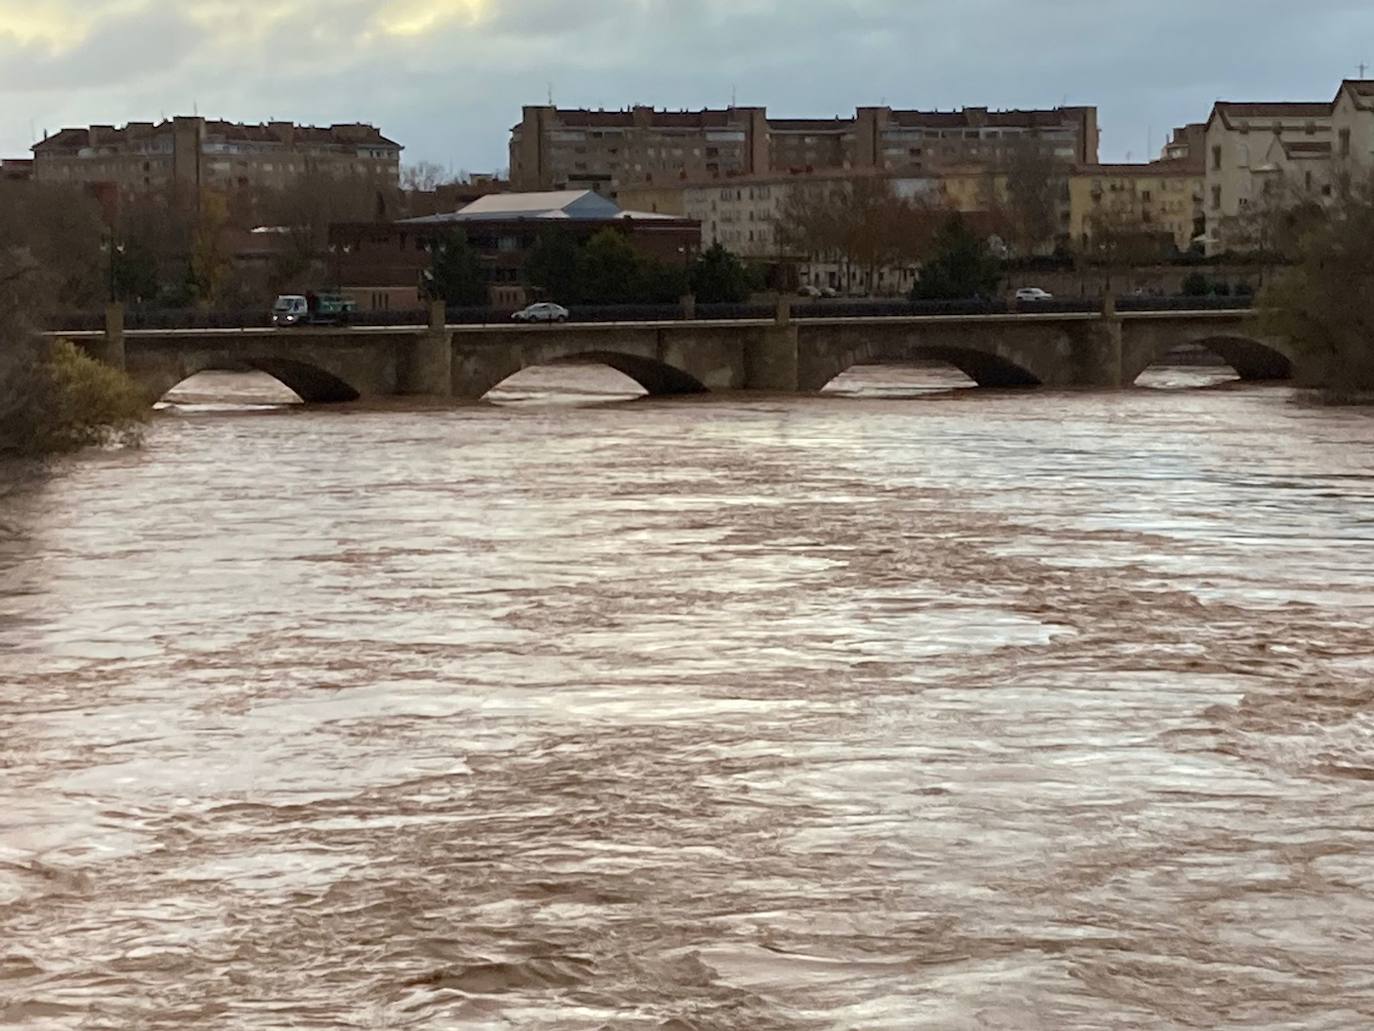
pixel 141 318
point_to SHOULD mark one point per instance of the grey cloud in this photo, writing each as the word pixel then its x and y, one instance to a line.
pixel 452 94
pixel 116 52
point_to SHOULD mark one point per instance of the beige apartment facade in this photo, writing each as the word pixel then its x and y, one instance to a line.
pixel 190 153
pixel 610 151
pixel 743 213
pixel 1160 197
pixel 1277 153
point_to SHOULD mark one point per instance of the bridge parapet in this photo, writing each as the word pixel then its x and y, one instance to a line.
pixel 779 354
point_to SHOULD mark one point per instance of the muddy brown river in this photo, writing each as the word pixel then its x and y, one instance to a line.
pixel 898 708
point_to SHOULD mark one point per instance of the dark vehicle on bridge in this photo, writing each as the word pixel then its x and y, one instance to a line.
pixel 312 309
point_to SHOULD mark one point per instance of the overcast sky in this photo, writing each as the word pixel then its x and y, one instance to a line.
pixel 447 78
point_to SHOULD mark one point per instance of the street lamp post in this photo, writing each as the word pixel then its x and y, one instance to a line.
pixel 114 251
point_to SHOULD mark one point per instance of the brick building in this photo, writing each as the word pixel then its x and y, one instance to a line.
pixel 381 263
pixel 186 154
pixel 607 151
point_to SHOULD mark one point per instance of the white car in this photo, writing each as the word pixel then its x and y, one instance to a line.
pixel 1033 293
pixel 544 311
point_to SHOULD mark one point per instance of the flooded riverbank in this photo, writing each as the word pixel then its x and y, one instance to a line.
pixel 904 707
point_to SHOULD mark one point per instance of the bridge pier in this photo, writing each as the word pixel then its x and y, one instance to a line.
pixel 426 365
pixel 1095 354
pixel 771 363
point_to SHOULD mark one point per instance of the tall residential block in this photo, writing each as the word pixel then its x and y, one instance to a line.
pixel 187 153
pixel 556 148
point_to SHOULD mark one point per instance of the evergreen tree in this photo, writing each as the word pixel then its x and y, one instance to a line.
pixel 610 269
pixel 719 277
pixel 553 266
pixel 455 272
pixel 658 282
pixel 961 267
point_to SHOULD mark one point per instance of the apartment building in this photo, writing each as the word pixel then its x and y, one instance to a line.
pixel 1262 153
pixel 741 214
pixel 557 149
pixel 1187 141
pixel 16 170
pixel 186 154
pixel 608 151
pixel 1158 198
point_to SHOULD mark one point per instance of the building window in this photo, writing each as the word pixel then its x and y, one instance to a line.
pixel 1216 158
pixel 1345 143
pixel 1307 181
pixel 1216 198
pixel 1244 154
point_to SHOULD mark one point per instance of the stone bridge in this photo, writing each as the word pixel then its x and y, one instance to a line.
pixel 780 355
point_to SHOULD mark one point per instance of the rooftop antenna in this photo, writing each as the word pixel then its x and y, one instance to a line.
pixel 550 94
pixel 733 96
pixel 1363 66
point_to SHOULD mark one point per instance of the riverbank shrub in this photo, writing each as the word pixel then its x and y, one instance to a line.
pixel 1322 301
pixel 57 399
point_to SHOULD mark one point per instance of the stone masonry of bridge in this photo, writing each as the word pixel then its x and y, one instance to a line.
pixel 782 355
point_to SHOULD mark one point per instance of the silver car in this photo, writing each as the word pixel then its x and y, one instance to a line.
pixel 545 311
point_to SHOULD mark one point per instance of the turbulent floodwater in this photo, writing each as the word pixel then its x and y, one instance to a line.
pixel 949 710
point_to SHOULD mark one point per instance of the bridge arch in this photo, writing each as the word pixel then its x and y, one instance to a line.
pixel 1252 358
pixel 987 368
pixel 312 384
pixel 654 375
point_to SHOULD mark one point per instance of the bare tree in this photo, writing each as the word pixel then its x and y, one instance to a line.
pixel 1323 300
pixel 61 230
pixel 862 224
pixel 425 176
pixel 1036 187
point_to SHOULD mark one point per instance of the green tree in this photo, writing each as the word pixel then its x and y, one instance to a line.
pixel 610 269
pixel 658 282
pixel 961 266
pixel 455 272
pixel 719 277
pixel 1195 285
pixel 554 266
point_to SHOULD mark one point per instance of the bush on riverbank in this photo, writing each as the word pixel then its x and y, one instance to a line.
pixel 58 399
pixel 53 397
pixel 1322 301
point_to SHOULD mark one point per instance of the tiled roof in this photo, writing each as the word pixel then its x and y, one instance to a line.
pixel 810 124
pixel 344 134
pixel 1229 109
pixel 1308 148
pixel 704 119
pixel 1156 169
pixel 544 205
pixel 972 118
